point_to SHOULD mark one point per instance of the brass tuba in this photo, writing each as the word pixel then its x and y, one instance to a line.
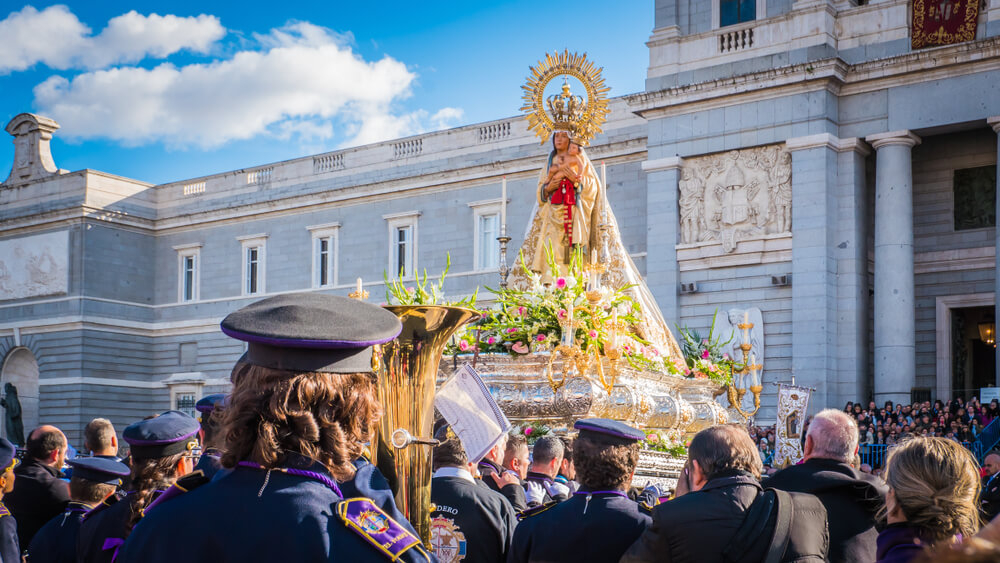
pixel 406 390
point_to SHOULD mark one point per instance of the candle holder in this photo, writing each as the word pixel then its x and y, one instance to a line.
pixel 360 293
pixel 503 239
pixel 735 392
pixel 594 271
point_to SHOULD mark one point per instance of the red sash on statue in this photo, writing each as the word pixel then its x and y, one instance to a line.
pixel 565 195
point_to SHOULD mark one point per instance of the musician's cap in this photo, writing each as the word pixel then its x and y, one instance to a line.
pixel 170 433
pixel 209 403
pixel 99 469
pixel 8 455
pixel 312 332
pixel 612 428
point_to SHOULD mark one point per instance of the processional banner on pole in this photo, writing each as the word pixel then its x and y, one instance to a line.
pixel 792 404
pixel 943 22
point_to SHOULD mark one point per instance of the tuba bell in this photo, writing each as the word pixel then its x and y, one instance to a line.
pixel 406 384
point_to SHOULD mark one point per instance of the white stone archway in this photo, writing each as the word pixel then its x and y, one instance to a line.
pixel 21 369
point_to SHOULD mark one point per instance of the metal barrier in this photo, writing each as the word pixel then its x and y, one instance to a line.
pixel 875 454
pixel 987 440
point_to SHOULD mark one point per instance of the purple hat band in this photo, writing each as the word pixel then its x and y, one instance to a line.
pixel 134 442
pixel 301 343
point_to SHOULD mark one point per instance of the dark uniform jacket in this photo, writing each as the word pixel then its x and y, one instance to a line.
pixel 990 497
pixel 38 496
pixel 103 530
pixel 56 541
pixel 596 530
pixel 469 521
pixel 209 463
pixel 370 483
pixel 541 484
pixel 852 500
pixel 514 493
pixel 9 547
pixel 267 517
pixel 699 526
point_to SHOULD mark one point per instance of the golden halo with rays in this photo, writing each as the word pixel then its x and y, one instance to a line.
pixel 588 123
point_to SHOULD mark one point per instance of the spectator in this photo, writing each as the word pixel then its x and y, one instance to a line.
pixel 39 492
pixel 933 486
pixel 565 483
pixel 718 486
pixel 989 501
pixel 507 483
pixel 100 440
pixel 483 516
pixel 852 498
pixel 547 456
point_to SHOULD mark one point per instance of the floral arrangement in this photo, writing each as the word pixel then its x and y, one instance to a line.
pixel 704 356
pixel 667 442
pixel 424 293
pixel 532 431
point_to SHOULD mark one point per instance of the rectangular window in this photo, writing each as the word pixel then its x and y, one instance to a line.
pixel 403 251
pixel 254 264
pixel 488 249
pixel 732 12
pixel 324 254
pixel 975 193
pixel 323 261
pixel 188 257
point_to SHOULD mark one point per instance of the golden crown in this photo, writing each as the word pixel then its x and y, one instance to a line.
pixel 581 117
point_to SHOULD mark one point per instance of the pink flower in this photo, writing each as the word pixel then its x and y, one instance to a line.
pixel 687 371
pixel 725 356
pixel 521 311
pixel 704 354
pixel 511 330
pixel 491 340
pixel 527 431
pixel 705 342
pixel 519 347
pixel 540 338
pixel 463 345
pixel 561 283
pixel 561 314
pixel 410 290
pixel 592 333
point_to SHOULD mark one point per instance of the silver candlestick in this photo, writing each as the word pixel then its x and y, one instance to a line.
pixel 503 239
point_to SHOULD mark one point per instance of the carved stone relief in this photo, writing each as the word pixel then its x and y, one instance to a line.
pixel 34 266
pixel 737 195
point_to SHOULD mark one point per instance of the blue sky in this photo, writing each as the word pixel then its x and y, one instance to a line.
pixel 202 88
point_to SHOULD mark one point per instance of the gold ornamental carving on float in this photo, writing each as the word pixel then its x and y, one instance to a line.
pixel 565 111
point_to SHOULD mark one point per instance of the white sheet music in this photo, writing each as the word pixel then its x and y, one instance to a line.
pixel 467 405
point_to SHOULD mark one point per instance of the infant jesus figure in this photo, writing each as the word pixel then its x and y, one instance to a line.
pixel 563 178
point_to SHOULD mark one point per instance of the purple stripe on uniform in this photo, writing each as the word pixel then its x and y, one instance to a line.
pixel 134 442
pixel 298 343
pixel 619 493
pixel 300 473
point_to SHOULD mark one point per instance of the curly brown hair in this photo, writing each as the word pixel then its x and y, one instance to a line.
pixel 150 475
pixel 602 462
pixel 936 485
pixel 323 416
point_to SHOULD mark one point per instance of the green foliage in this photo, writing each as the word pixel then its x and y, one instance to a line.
pixel 424 292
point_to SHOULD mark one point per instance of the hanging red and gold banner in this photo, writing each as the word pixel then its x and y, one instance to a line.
pixel 943 22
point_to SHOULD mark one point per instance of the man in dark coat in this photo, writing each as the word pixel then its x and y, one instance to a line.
pixel 470 522
pixel 990 497
pixel 39 493
pixel 717 488
pixel 546 458
pixel 852 498
pixel 503 482
pixel 599 522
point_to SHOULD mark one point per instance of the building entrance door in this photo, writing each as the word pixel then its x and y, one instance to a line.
pixel 973 355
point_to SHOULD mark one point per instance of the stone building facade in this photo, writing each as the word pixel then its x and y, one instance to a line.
pixel 803 159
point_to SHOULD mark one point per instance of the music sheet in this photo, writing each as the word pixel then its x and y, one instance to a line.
pixel 466 403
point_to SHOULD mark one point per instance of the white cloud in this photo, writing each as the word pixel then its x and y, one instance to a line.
pixel 305 83
pixel 56 38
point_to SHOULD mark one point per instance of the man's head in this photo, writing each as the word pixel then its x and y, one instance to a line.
pixel 515 457
pixel 99 437
pixel 568 468
pixel 449 451
pixel 604 463
pixel 547 455
pixel 992 463
pixel 496 453
pixel 720 449
pixel 832 435
pixel 47 444
pixel 95 478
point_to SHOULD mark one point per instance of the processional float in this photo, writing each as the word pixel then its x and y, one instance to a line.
pixel 606 353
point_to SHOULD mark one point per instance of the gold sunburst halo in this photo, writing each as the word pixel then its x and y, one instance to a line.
pixel 588 124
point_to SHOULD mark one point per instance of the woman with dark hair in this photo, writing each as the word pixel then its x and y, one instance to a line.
pixel 161 453
pixel 296 421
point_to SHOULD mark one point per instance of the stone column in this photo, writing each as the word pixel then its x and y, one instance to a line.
pixel 995 124
pixel 895 360
pixel 662 224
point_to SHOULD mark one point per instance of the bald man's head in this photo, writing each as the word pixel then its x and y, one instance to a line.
pixel 47 444
pixel 832 435
pixel 992 463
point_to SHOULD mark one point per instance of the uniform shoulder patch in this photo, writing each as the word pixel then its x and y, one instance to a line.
pixel 534 511
pixel 185 484
pixel 3 510
pixel 365 518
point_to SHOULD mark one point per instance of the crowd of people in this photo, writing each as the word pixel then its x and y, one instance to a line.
pixel 279 471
